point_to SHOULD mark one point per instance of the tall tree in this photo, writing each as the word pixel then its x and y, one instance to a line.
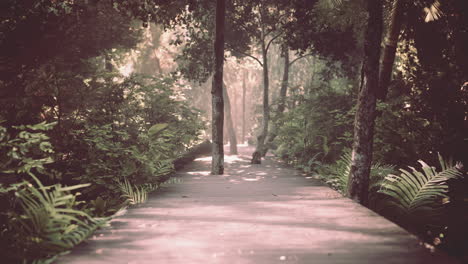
pixel 268 19
pixel 287 63
pixel 389 50
pixel 358 183
pixel 217 164
pixel 243 108
pixel 281 100
pixel 285 80
pixel 229 122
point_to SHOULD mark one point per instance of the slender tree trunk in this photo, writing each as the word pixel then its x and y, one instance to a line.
pixel 285 81
pixel 388 56
pixel 282 98
pixel 258 153
pixel 235 112
pixel 358 182
pixel 217 164
pixel 243 110
pixel 230 124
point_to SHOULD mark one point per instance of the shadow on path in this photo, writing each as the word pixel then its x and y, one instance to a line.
pixel 266 213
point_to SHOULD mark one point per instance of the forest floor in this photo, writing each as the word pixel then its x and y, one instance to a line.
pixel 266 213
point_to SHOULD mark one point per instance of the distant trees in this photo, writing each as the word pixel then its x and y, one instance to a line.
pixel 261 26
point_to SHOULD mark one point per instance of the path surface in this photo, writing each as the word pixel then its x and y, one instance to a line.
pixel 257 214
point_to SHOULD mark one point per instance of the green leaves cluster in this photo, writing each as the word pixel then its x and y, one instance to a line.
pixel 135 135
pixel 27 152
pixel 420 196
pixel 315 127
pixel 36 221
pixel 337 174
pixel 50 221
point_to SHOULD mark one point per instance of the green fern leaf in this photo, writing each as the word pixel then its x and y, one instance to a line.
pixel 419 193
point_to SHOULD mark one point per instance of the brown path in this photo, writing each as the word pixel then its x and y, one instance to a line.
pixel 257 214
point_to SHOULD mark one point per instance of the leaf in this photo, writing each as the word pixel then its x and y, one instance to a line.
pixel 156 129
pixel 419 193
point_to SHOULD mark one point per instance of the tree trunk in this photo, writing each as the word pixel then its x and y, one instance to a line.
pixel 282 98
pixel 358 182
pixel 229 123
pixel 260 149
pixel 285 81
pixel 388 56
pixel 217 164
pixel 243 110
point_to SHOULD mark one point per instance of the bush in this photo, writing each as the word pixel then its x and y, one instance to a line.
pixel 37 221
pixel 337 174
pixel 131 130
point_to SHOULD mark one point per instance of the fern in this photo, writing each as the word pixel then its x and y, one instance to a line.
pixel 338 173
pixel 135 194
pixel 49 223
pixel 418 195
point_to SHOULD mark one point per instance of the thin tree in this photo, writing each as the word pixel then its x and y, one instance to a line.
pixel 243 109
pixel 264 28
pixel 287 63
pixel 217 164
pixel 264 45
pixel 358 182
pixel 285 80
pixel 229 122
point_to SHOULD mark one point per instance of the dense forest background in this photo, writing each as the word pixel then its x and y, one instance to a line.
pixel 99 98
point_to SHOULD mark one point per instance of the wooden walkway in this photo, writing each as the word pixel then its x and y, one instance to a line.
pixel 257 214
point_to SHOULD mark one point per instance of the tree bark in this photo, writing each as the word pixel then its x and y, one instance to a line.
pixel 260 149
pixel 388 56
pixel 217 163
pixel 285 81
pixel 243 110
pixel 358 182
pixel 230 124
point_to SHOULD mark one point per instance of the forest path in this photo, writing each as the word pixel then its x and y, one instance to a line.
pixel 257 214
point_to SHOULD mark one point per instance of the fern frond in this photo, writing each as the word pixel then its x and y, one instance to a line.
pixel 342 167
pixel 419 193
pixel 48 221
pixel 133 194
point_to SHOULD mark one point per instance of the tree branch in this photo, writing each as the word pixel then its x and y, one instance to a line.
pixel 300 57
pixel 271 40
pixel 248 55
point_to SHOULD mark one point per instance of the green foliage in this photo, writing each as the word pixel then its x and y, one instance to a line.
pixel 28 150
pixel 49 48
pixel 337 174
pixel 318 124
pixel 418 196
pixel 49 222
pixel 38 221
pixel 134 194
pixel 128 130
pixel 402 135
pixel 135 135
